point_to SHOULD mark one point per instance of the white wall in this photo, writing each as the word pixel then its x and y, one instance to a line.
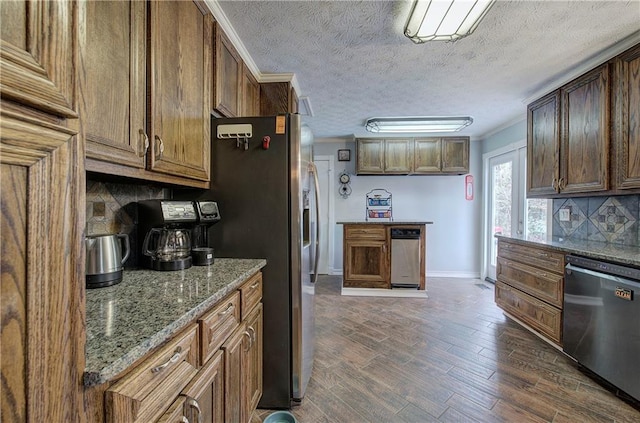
pixel 453 241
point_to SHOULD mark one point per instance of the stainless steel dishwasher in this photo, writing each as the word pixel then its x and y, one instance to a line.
pixel 601 324
pixel 405 257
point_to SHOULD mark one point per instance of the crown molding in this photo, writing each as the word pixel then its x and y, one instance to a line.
pixel 225 24
pixel 586 66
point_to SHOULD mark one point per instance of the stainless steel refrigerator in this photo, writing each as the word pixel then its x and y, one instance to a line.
pixel 264 182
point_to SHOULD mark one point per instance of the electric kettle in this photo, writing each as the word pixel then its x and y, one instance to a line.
pixel 105 259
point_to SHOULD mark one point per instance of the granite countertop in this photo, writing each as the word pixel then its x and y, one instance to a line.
pixel 127 320
pixel 595 249
pixel 384 222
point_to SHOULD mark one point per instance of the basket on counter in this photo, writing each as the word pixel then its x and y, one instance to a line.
pixel 378 205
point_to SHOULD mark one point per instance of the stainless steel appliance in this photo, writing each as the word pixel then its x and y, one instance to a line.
pixel 405 257
pixel 166 226
pixel 105 257
pixel 601 316
pixel 263 181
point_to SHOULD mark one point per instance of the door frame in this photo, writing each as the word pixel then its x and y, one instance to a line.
pixel 330 210
pixel 486 157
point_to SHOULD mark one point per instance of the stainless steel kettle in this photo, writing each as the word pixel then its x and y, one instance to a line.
pixel 105 259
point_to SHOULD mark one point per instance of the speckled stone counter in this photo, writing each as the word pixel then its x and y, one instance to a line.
pixel 598 250
pixel 126 321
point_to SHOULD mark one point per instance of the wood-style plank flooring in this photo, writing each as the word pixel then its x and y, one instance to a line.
pixel 453 357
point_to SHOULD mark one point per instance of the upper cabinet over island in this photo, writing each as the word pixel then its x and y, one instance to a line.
pixel 412 156
pixel 584 138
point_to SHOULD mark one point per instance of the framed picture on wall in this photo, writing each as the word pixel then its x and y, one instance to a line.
pixel 344 155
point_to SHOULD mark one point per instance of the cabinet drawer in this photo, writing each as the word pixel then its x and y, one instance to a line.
pixel 250 294
pixel 538 315
pixel 366 232
pixel 144 394
pixel 542 284
pixel 552 261
pixel 218 324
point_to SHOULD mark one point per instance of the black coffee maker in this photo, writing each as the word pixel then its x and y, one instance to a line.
pixel 164 232
pixel 208 214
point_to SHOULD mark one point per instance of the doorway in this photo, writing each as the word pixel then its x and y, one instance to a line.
pixel 325 165
pixel 507 211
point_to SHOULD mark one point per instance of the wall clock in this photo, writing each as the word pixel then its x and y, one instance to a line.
pixel 345 180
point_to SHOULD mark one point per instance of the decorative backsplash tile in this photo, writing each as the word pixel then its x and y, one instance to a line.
pixel 111 208
pixel 607 219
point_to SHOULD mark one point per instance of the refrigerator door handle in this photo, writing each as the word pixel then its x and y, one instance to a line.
pixel 314 171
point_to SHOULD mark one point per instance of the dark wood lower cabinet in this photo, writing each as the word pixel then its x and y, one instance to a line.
pixel 366 264
pixel 204 397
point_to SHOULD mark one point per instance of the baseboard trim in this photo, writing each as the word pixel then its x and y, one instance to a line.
pixel 453 274
pixel 379 292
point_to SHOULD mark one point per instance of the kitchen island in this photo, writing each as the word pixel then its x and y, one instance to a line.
pixel 384 258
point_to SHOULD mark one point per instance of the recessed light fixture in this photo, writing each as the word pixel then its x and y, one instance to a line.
pixel 418 124
pixel 444 20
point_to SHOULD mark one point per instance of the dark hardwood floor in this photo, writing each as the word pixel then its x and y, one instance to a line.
pixel 453 357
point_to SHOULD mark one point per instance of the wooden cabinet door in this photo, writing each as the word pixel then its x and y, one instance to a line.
pixel 427 155
pixel 584 150
pixel 204 396
pixel 250 93
pixel 627 119
pixel 252 366
pixel 42 273
pixel 277 98
pixel 233 380
pixel 113 46
pixel 227 85
pixel 543 145
pixel 398 156
pixel 37 55
pixel 370 156
pixel 366 264
pixel 180 34
pixel 455 155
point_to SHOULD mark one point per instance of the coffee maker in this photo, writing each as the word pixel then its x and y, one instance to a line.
pixel 208 215
pixel 164 232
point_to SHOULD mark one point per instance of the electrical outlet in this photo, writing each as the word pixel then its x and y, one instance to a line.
pixel 565 214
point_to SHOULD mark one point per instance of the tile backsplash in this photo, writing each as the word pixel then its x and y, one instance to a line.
pixel 608 219
pixel 111 208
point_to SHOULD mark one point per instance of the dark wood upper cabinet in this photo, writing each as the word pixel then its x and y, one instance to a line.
pixel 626 109
pixel 228 78
pixel 277 98
pixel 568 138
pixel 250 93
pixel 584 143
pixel 543 145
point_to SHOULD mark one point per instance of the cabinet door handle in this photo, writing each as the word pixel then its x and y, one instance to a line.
pixel 554 184
pixel 228 310
pixel 562 184
pixel 253 334
pixel 193 403
pixel 248 335
pixel 146 142
pixel 173 359
pixel 160 149
pixel 185 420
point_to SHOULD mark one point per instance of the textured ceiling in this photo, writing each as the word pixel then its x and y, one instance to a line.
pixel 353 62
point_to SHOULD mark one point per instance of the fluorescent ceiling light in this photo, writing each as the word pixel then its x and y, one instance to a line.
pixel 444 20
pixel 418 124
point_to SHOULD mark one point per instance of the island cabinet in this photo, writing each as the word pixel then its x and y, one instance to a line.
pixel 210 372
pixel 529 286
pixel 142 117
pixel 42 185
pixel 412 156
pixel 366 256
pixel 568 138
pixel 626 105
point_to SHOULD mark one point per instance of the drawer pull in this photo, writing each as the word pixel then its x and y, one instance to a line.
pixel 541 254
pixel 541 274
pixel 255 285
pixel 228 310
pixel 192 402
pixel 174 359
